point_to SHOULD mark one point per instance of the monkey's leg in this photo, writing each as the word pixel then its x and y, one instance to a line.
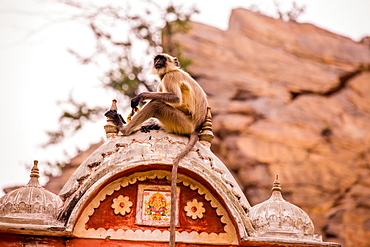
pixel 173 119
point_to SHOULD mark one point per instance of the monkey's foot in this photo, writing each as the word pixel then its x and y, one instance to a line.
pixel 116 117
pixel 148 128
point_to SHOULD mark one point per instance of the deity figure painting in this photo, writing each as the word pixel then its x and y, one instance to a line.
pixel 154 205
pixel 157 205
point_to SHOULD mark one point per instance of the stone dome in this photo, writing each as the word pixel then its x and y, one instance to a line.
pixel 277 218
pixel 30 204
pixel 153 153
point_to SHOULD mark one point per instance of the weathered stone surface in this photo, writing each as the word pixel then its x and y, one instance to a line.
pixel 291 99
pixel 144 151
pixel 56 183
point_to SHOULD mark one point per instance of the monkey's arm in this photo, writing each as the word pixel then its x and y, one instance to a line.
pixel 169 91
pixel 164 97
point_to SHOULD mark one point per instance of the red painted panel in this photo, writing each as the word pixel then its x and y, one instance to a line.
pixel 104 216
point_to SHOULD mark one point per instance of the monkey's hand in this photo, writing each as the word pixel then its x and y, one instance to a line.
pixel 135 101
pixel 148 128
pixel 116 117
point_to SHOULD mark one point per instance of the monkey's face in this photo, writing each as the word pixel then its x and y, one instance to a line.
pixel 160 61
pixel 164 63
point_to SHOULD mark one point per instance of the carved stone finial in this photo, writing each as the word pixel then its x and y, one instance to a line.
pixel 110 128
pixel 34 176
pixel 114 105
pixel 206 133
pixel 35 170
pixel 277 185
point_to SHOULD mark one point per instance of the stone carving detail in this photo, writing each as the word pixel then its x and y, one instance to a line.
pixel 31 202
pixel 229 236
pixel 194 209
pixel 122 205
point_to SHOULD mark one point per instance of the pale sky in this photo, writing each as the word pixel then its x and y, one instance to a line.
pixel 36 70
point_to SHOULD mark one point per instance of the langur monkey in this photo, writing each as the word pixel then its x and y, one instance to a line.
pixel 180 104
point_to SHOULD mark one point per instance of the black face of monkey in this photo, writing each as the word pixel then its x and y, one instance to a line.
pixel 160 61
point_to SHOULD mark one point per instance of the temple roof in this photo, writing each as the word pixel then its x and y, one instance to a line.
pixel 122 153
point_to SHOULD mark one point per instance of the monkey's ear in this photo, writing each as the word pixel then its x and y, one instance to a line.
pixel 177 63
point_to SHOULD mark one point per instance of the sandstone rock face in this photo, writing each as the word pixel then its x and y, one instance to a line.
pixel 292 100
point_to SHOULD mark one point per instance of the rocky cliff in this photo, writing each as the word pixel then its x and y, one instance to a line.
pixel 292 100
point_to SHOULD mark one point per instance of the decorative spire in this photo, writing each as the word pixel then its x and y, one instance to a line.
pixel 206 133
pixel 110 128
pixel 276 191
pixel 34 176
pixel 114 105
pixel 277 185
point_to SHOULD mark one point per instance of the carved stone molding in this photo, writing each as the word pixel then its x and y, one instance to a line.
pixel 122 205
pixel 194 209
pixel 229 236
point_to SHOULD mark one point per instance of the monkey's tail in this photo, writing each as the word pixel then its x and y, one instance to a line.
pixel 193 139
